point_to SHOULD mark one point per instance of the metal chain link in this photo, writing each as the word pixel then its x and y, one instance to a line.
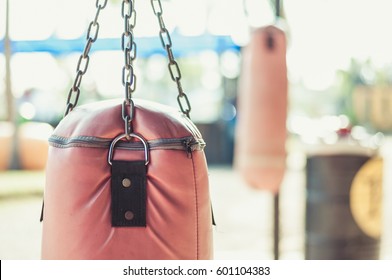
pixel 174 69
pixel 84 59
pixel 129 49
pixel 128 46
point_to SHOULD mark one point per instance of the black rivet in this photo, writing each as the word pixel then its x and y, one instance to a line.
pixel 129 215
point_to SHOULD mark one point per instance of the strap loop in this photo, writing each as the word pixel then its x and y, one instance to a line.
pixel 125 136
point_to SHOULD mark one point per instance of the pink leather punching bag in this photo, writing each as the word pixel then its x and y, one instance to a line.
pixel 107 198
pixel 127 179
pixel 260 154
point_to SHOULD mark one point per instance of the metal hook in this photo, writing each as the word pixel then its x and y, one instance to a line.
pixel 126 136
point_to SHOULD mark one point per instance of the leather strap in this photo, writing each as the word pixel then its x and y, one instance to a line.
pixel 128 189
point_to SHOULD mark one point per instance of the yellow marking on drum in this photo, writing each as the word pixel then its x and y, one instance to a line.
pixel 366 197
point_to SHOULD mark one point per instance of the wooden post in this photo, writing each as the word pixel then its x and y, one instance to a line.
pixel 10 106
pixel 277 7
pixel 276 226
pixel 277 196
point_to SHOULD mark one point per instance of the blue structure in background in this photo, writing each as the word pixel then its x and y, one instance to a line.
pixel 146 45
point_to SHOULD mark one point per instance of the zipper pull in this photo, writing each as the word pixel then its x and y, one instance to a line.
pixel 188 146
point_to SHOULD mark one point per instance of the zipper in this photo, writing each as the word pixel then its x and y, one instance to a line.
pixel 188 144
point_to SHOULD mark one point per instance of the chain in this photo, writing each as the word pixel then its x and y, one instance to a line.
pixel 128 46
pixel 84 59
pixel 173 66
pixel 129 49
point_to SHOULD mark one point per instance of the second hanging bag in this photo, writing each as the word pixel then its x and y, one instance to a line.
pixel 127 179
pixel 260 154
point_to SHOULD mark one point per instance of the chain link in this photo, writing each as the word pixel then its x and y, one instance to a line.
pixel 128 46
pixel 84 59
pixel 174 69
pixel 129 49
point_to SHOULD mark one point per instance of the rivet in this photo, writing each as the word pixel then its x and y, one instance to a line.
pixel 129 215
pixel 126 183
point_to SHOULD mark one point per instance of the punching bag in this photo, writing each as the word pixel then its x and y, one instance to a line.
pixel 260 153
pixel 115 199
pixel 127 179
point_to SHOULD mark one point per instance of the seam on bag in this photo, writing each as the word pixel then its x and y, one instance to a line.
pixel 197 208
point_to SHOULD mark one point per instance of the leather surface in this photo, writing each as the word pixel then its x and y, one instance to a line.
pixel 260 153
pixel 77 214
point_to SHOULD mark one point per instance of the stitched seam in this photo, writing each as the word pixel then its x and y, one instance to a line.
pixel 197 209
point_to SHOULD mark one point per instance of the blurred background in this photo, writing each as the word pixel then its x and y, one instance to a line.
pixel 339 63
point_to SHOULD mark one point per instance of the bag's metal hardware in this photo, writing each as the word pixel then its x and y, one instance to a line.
pixel 126 136
pixel 91 37
pixel 126 183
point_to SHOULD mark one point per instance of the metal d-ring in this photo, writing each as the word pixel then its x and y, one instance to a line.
pixel 118 138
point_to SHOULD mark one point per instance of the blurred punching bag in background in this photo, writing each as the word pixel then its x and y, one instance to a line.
pixel 260 154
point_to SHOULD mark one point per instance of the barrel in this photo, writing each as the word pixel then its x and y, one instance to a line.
pixel 6 138
pixel 343 188
pixel 33 145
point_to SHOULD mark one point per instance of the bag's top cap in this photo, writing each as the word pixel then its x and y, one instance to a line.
pixel 103 119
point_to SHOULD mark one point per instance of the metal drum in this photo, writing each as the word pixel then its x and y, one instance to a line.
pixel 343 206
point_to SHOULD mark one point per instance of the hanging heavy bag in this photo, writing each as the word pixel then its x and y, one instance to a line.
pixel 260 153
pixel 126 179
